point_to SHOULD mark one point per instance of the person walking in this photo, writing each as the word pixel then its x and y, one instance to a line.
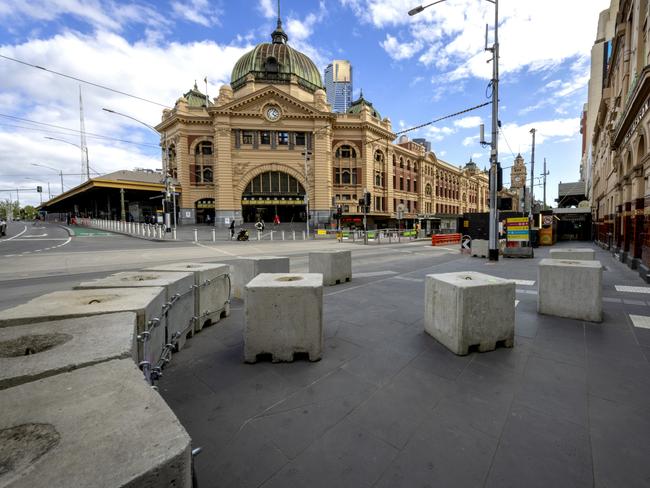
pixel 232 229
pixel 276 220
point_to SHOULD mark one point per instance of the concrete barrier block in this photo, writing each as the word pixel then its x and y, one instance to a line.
pixel 213 288
pixel 31 352
pixel 335 266
pixel 579 254
pixel 480 248
pixel 283 316
pixel 570 288
pixel 179 299
pixel 147 303
pixel 96 426
pixel 467 309
pixel 245 269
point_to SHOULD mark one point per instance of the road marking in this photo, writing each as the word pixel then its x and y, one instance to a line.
pixel 49 239
pixel 528 292
pixel 17 235
pixel 627 301
pixel 214 248
pixel 516 303
pixel 633 289
pixel 611 300
pixel 640 321
pixel 406 278
pixel 524 282
pixel 373 273
pixel 34 235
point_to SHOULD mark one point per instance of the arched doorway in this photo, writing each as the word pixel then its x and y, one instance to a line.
pixel 274 193
pixel 205 211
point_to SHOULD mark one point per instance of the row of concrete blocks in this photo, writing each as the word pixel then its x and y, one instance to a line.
pixel 284 311
pixel 473 310
pixel 75 408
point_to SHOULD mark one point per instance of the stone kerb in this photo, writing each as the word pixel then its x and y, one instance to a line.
pixel 213 286
pixel 578 254
pixel 147 303
pixel 467 309
pixel 245 269
pixel 96 426
pixel 335 266
pixel 179 299
pixel 283 316
pixel 35 351
pixel 570 288
pixel 479 248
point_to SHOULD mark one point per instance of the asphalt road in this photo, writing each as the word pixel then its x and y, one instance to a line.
pixel 38 259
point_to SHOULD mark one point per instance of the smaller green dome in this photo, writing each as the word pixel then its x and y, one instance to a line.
pixel 358 105
pixel 195 98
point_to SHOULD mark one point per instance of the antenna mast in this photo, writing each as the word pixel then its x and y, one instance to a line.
pixel 85 164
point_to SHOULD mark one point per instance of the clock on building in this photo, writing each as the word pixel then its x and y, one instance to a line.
pixel 273 113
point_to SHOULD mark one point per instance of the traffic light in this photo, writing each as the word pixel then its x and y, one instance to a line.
pixel 39 189
pixel 499 177
pixel 367 197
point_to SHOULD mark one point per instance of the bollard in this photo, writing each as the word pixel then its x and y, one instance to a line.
pixel 196 235
pixel 259 235
pixel 304 238
pixel 294 234
pixel 283 235
pixel 174 233
pixel 160 233
pixel 271 235
pixel 148 230
pixel 214 235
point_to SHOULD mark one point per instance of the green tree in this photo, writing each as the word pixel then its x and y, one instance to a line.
pixel 9 209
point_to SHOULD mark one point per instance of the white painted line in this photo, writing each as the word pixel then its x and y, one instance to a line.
pixel 17 235
pixel 633 302
pixel 611 300
pixel 373 273
pixel 527 292
pixel 640 321
pixel 524 282
pixel 34 235
pixel 406 278
pixel 49 239
pixel 633 289
pixel 516 303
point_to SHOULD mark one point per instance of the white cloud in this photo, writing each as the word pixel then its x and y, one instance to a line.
pixel 468 141
pixel 520 138
pixel 267 8
pixel 477 155
pixel 197 11
pixel 468 122
pixel 159 72
pixel 437 134
pixel 398 50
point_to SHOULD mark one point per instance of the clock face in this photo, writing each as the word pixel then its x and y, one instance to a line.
pixel 273 113
pixel 517 179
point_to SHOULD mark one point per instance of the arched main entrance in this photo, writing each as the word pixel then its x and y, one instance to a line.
pixel 205 211
pixel 274 193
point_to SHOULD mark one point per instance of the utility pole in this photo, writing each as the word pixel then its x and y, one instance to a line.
pixel 493 250
pixel 546 173
pixel 532 174
pixel 307 154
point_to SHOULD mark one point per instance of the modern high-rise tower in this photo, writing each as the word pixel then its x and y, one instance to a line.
pixel 338 85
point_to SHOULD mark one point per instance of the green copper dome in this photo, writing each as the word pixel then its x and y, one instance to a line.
pixel 276 62
pixel 358 104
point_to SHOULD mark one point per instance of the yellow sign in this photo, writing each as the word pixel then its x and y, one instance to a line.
pixel 321 232
pixel 517 229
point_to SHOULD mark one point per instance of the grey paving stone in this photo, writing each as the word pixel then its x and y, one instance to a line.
pixel 619 439
pixel 438 359
pixel 377 367
pixel 613 341
pixel 393 412
pixel 444 452
pixel 537 450
pixel 346 456
pixel 624 382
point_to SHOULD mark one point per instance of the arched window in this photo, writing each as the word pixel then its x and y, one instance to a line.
pixel 201 172
pixel 346 167
pixel 379 156
pixel 427 190
pixel 408 164
pixel 271 65
pixel 172 167
pixel 394 160
pixel 401 162
pixel 346 177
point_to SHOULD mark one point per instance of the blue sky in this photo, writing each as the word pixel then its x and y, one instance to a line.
pixel 413 69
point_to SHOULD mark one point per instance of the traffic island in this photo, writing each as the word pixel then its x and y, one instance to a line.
pixel 32 352
pixel 570 288
pixel 147 303
pixel 283 316
pixel 579 254
pixel 179 298
pixel 335 266
pixel 469 310
pixel 96 426
pixel 245 269
pixel 213 288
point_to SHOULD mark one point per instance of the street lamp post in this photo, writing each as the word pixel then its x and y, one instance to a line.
pixel 83 148
pixel 53 169
pixel 166 203
pixel 494 143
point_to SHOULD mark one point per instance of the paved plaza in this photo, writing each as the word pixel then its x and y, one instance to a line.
pixel 388 406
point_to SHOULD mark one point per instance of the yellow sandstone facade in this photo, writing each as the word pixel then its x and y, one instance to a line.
pixel 242 155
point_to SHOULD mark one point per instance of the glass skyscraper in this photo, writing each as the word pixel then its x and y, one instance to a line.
pixel 338 85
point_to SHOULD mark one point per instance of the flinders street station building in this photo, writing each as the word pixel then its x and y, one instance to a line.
pixel 270 145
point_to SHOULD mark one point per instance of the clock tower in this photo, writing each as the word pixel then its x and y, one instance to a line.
pixel 518 173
